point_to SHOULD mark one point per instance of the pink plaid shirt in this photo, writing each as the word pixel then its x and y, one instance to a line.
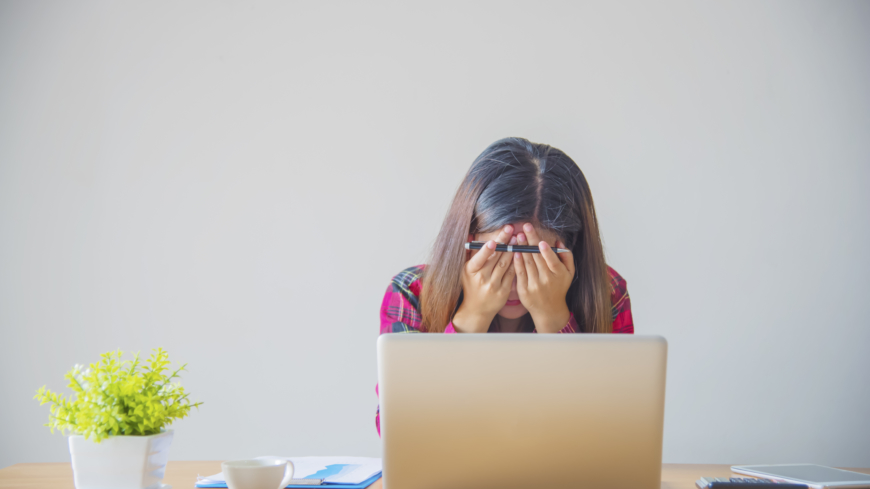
pixel 400 309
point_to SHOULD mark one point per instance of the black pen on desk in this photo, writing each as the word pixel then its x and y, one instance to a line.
pixel 476 245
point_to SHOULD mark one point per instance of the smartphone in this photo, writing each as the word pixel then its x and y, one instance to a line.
pixel 815 476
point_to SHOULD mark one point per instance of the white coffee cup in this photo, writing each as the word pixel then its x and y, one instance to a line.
pixel 258 473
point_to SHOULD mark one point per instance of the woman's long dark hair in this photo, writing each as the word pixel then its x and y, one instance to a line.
pixel 515 180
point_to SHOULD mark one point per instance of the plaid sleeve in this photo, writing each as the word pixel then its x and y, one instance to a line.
pixel 621 304
pixel 400 309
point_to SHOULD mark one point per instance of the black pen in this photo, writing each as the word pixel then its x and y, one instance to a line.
pixel 476 245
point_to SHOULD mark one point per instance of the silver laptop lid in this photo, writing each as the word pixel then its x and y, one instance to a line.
pixel 521 410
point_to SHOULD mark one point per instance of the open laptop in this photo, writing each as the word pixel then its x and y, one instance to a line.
pixel 521 410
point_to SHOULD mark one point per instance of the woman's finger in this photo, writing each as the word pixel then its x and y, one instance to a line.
pixel 567 258
pixel 510 273
pixel 478 261
pixel 531 234
pixel 504 262
pixel 549 256
pixel 534 240
pixel 528 261
pixel 520 271
pixel 506 234
pixel 503 237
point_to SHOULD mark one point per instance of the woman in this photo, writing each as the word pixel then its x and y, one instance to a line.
pixel 515 192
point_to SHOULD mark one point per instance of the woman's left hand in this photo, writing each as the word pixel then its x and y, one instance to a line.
pixel 543 280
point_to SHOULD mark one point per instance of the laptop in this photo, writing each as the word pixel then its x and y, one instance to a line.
pixel 521 410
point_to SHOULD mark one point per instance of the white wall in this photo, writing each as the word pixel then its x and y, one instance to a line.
pixel 186 175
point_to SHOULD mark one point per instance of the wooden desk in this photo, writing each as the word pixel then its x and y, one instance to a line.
pixel 182 475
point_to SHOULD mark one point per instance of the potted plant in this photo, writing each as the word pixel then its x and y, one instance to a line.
pixel 117 417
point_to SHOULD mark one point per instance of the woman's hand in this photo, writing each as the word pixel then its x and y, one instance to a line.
pixel 486 284
pixel 543 281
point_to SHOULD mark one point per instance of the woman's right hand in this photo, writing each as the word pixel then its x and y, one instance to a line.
pixel 486 284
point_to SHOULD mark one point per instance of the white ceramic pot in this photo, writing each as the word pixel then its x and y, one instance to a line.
pixel 120 462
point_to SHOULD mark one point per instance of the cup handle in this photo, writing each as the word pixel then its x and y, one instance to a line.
pixel 288 475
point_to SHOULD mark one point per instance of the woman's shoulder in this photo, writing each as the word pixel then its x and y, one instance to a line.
pixel 400 309
pixel 617 283
pixel 620 303
pixel 409 281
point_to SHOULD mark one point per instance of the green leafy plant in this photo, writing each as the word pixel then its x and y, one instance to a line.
pixel 115 397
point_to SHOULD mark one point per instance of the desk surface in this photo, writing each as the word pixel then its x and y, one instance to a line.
pixel 182 475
